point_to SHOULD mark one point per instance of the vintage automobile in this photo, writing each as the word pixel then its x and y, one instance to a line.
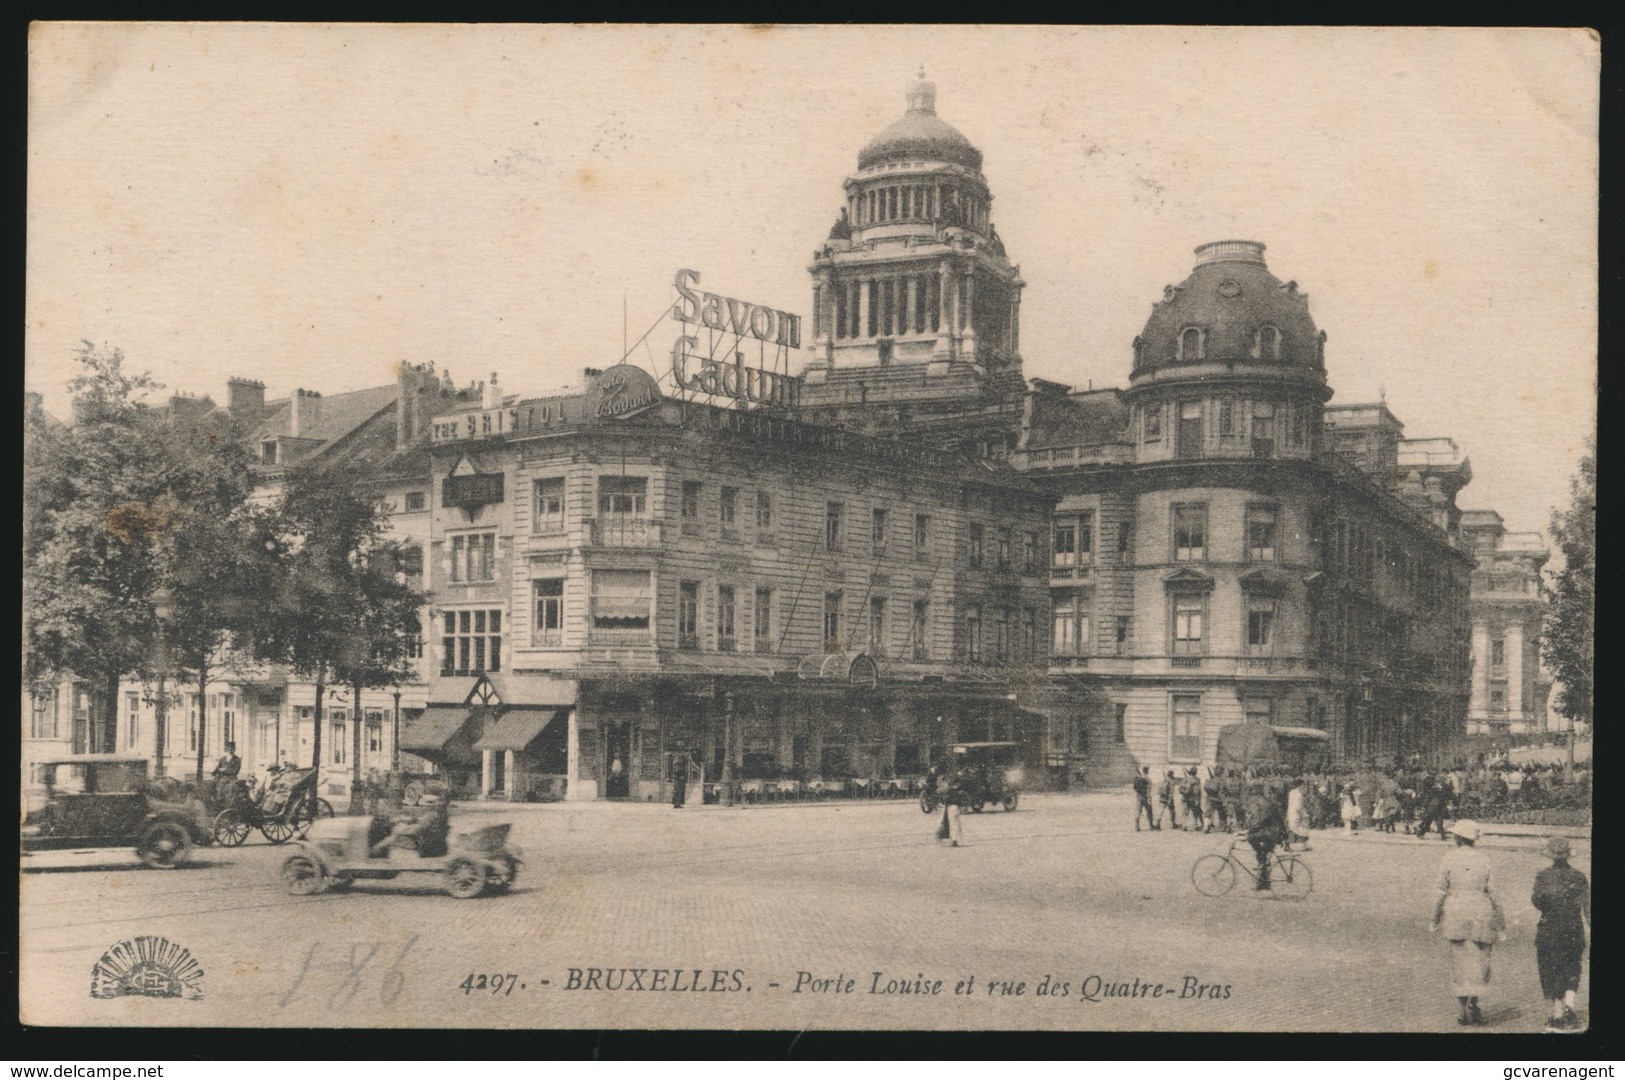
pixel 106 800
pixel 335 853
pixel 990 772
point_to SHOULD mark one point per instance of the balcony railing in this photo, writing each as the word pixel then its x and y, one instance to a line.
pixel 625 532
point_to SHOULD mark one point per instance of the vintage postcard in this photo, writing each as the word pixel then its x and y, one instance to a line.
pixel 932 528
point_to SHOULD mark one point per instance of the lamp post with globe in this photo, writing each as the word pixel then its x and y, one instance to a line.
pixel 163 608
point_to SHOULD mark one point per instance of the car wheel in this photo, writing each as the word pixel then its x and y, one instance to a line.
pixel 976 807
pixel 303 875
pixel 928 803
pixel 1009 802
pixel 503 874
pixel 164 846
pixel 464 879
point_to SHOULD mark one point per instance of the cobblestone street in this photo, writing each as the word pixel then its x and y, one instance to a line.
pixel 1060 894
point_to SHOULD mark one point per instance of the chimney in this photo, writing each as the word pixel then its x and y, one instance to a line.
pixel 245 398
pixel 188 407
pixel 406 404
pixel 304 412
pixel 492 396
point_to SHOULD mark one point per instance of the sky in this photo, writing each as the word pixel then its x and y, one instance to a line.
pixel 309 205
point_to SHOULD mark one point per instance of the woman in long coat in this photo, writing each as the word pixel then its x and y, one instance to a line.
pixel 1563 898
pixel 1467 915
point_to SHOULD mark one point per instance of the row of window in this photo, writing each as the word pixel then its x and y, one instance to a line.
pixel 1190 532
pixel 1190 432
pixel 917 202
pixel 1191 345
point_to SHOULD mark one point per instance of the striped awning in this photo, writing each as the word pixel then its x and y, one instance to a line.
pixel 434 729
pixel 515 729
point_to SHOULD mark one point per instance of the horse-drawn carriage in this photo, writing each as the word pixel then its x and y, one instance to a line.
pixel 282 809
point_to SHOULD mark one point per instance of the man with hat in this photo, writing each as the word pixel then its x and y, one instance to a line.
pixel 1563 897
pixel 1142 799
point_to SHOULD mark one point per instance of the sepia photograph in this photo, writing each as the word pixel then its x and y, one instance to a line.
pixel 809 528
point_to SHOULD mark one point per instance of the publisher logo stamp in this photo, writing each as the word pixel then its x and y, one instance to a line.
pixel 147 966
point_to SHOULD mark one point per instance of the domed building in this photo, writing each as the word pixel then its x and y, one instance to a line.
pixel 916 308
pixel 1216 559
pixel 1226 547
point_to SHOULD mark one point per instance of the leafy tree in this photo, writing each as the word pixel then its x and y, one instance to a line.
pixel 212 542
pixel 336 610
pixel 94 516
pixel 1570 593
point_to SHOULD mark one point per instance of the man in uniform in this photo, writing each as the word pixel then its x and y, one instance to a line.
pixel 1266 828
pixel 1142 799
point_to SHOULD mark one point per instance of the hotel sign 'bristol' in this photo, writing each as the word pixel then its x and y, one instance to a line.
pixel 728 323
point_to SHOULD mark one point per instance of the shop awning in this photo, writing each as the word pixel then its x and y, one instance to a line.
pixel 1300 733
pixel 515 729
pixel 434 729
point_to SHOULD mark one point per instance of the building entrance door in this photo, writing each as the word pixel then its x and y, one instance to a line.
pixel 617 756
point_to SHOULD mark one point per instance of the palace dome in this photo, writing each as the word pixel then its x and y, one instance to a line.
pixel 1230 309
pixel 920 135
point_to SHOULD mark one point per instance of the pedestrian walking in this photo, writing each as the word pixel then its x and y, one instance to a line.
pixel 1213 795
pixel 1563 897
pixel 1190 794
pixel 1467 915
pixel 1350 809
pixel 679 780
pixel 1142 799
pixel 1297 816
pixel 1167 799
pixel 952 828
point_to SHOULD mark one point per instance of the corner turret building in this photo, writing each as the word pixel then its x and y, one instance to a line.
pixel 1224 546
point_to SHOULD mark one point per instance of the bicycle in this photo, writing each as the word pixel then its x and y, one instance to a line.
pixel 1215 875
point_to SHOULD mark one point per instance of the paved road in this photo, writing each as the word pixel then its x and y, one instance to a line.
pixel 1060 894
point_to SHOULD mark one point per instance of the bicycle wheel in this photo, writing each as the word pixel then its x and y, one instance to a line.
pixel 1213 875
pixel 1292 879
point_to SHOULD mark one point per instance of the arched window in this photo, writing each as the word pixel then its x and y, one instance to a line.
pixel 1190 343
pixel 1267 343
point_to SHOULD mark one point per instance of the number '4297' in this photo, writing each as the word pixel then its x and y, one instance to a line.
pixel 500 985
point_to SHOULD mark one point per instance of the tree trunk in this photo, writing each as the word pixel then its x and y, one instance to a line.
pixel 104 728
pixel 357 802
pixel 316 736
pixel 202 713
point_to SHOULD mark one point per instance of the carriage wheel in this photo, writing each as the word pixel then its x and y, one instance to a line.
pixel 302 875
pixel 230 830
pixel 278 830
pixel 928 803
pixel 1213 875
pixel 413 794
pixel 464 879
pixel 1009 801
pixel 976 807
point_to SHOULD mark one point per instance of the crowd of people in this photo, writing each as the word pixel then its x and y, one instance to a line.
pixel 1276 807
pixel 1410 800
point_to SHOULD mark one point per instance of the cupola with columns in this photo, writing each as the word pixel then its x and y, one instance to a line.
pixel 913 271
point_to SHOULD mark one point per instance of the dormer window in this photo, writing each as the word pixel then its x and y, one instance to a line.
pixel 1192 342
pixel 1267 344
pixel 268 452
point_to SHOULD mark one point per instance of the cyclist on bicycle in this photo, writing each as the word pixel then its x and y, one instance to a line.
pixel 1266 829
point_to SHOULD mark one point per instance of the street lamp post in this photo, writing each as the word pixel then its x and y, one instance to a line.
pixel 395 745
pixel 162 607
